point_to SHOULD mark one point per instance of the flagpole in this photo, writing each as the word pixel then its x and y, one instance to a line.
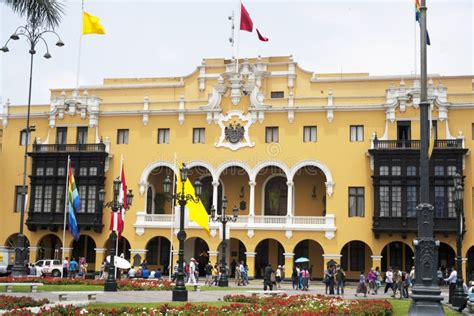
pixel 80 47
pixel 66 202
pixel 172 221
pixel 238 39
pixel 232 32
pixel 416 57
pixel 119 213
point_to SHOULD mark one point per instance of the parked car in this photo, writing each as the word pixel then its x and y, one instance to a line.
pixel 7 257
pixel 50 267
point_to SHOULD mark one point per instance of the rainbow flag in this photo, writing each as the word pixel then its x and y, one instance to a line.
pixel 74 202
pixel 417 17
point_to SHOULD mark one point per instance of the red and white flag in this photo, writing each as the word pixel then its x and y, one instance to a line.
pixel 117 221
pixel 246 23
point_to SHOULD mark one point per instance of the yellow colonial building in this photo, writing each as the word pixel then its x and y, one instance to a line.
pixel 324 166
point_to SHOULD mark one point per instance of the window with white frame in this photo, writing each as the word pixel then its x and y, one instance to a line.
pixel 357 133
pixel 163 136
pixel 271 134
pixel 199 135
pixel 310 134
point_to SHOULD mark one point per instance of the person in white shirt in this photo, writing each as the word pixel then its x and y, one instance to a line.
pixel 388 280
pixel 131 273
pixel 192 270
pixel 451 280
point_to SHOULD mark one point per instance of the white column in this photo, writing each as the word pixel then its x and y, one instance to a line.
pixel 252 198
pixel 215 187
pixel 289 210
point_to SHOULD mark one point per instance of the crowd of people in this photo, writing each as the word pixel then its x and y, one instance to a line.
pixel 73 268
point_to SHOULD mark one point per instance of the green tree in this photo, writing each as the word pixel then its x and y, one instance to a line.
pixel 38 12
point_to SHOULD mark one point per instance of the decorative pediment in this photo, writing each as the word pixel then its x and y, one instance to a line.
pixel 84 105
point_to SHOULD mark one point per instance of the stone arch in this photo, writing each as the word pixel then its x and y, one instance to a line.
pixel 313 250
pixel 263 193
pixel 397 254
pixel 356 256
pixel 85 247
pixel 470 263
pixel 158 251
pixel 204 164
pixel 49 247
pixel 197 248
pixel 148 169
pixel 268 250
pixel 123 247
pixel 271 163
pixel 235 252
pixel 233 163
pixel 11 244
pixel 318 164
pixel 149 199
pixel 446 256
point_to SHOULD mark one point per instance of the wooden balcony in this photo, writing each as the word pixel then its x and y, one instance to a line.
pixel 415 144
pixel 55 221
pixel 405 225
pixel 69 148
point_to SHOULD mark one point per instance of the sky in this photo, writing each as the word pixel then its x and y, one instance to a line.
pixel 170 38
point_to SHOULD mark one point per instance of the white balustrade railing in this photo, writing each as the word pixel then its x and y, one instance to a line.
pixel 263 219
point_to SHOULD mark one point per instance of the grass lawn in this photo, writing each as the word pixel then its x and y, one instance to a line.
pixel 400 308
pixel 216 288
pixel 152 305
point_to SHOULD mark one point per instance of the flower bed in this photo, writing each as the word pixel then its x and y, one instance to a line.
pixel 277 305
pixel 10 302
pixel 123 285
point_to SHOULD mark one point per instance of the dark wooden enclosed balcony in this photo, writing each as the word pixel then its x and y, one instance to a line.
pixel 415 144
pixel 404 225
pixel 54 221
pixel 69 148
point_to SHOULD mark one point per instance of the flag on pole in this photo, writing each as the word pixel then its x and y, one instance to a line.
pixel 197 212
pixel 74 205
pixel 91 24
pixel 117 221
pixel 417 16
pixel 246 23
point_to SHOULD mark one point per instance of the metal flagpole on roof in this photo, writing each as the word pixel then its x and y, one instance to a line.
pixel 238 38
pixel 80 46
pixel 66 204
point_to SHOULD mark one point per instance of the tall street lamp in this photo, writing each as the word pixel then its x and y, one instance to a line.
pixel 180 293
pixel 459 298
pixel 426 294
pixel 224 279
pixel 34 34
pixel 116 206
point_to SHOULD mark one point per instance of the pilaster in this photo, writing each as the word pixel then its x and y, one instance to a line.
pixel 250 260
pixel 289 259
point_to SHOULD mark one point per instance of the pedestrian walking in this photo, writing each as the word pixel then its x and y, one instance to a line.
pixel 208 269
pixel 267 275
pixel 65 267
pixel 278 274
pixel 388 280
pixel 361 286
pixel 340 279
pixel 378 279
pixel 451 280
pixel 371 277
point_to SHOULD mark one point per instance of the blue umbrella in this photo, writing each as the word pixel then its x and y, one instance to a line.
pixel 301 260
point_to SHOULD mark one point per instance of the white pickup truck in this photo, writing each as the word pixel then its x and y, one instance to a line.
pixel 50 267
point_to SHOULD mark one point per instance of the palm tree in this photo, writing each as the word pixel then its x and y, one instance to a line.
pixel 38 12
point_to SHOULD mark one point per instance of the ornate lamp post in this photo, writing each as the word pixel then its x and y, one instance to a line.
pixel 224 279
pixel 33 33
pixel 116 206
pixel 426 294
pixel 459 298
pixel 179 292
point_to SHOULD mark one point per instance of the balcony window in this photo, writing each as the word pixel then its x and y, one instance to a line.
pixel 93 171
pixel 48 196
pixel 396 201
pixel 411 171
pixel 61 135
pixel 61 171
pixel 83 171
pixel 91 194
pixel 396 170
pixel 163 136
pixel 40 171
pixel 384 199
pixel 50 171
pixel 310 134
pixel 383 170
pixel 451 205
pixel 439 171
pixel 412 201
pixel 357 133
pixel 356 201
pixel 122 136
pixel 439 201
pixel 451 170
pixel 38 201
pixel 81 137
pixel 199 135
pixel 83 196
pixel 271 134
pixel 60 198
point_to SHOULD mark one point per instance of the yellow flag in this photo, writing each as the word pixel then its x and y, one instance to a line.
pixel 91 24
pixel 432 143
pixel 197 212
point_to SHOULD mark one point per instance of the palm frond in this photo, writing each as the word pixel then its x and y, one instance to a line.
pixel 39 12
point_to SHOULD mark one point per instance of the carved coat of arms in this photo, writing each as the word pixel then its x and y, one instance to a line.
pixel 234 133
